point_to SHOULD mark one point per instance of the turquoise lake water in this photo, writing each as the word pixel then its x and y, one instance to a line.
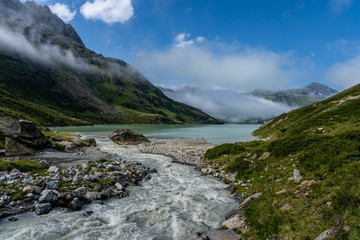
pixel 218 134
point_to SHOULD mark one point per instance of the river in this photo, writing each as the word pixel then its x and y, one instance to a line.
pixel 175 203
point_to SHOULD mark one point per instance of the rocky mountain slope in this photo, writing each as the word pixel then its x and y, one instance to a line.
pixel 44 65
pixel 307 172
pixel 311 93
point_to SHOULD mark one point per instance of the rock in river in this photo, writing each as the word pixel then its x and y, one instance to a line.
pixel 127 137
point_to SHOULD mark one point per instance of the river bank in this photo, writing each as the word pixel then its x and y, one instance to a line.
pixel 68 180
pixel 184 151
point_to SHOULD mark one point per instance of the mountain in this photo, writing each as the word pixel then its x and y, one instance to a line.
pixel 333 115
pixel 258 106
pixel 298 97
pixel 45 65
pixel 307 171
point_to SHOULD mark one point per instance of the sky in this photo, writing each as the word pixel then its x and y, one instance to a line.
pixel 234 44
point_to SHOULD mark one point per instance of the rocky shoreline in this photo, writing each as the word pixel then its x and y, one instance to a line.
pixel 68 186
pixel 184 151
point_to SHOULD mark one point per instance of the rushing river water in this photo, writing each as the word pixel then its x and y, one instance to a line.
pixel 175 203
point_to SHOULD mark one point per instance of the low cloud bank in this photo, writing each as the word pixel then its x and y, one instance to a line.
pixel 46 54
pixel 229 106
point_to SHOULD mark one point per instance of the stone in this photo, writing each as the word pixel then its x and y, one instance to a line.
pixel 28 189
pixel 5 199
pixel 53 169
pixel 36 190
pixel 54 185
pixel 119 186
pixel 92 196
pixel 285 207
pixel 307 183
pixel 127 137
pixel 235 222
pixel 327 234
pixel 264 156
pixel 81 190
pixel 3 178
pixel 239 210
pixel 297 176
pixel 281 191
pixel 22 131
pixel 230 177
pixel 15 172
pixel 75 204
pixel 88 213
pixel 13 148
pixel 12 219
pixel 46 196
pixel 91 142
pixel 222 235
pixel 94 178
pixel 42 208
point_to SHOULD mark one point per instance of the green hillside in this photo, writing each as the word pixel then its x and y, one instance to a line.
pixel 328 117
pixel 323 142
pixel 86 85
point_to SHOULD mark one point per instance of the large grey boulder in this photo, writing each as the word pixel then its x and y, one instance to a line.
pixel 126 136
pixel 13 148
pixel 46 196
pixel 42 208
pixel 22 131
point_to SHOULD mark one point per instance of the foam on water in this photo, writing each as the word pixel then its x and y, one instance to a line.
pixel 175 203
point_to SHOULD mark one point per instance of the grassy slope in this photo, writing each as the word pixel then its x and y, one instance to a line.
pixel 335 114
pixel 330 158
pixel 137 101
pixel 11 106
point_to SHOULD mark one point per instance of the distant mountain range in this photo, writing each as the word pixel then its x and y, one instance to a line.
pixel 298 97
pixel 254 107
pixel 49 76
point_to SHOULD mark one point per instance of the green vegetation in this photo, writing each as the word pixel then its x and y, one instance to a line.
pixel 328 117
pixel 323 142
pixel 22 165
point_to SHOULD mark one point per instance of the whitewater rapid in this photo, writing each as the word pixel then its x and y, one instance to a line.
pixel 174 204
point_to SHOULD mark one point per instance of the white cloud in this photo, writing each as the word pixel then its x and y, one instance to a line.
pixel 216 64
pixel 228 105
pixel 338 6
pixel 345 74
pixel 63 11
pixel 45 54
pixel 182 40
pixel 109 11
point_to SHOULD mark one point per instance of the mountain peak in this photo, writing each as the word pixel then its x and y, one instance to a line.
pixel 319 89
pixel 35 20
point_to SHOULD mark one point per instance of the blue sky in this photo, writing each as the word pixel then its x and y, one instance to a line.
pixel 233 44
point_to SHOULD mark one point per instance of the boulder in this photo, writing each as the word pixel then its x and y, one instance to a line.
pixel 54 185
pixel 53 169
pixel 235 222
pixel 22 131
pixel 46 196
pixel 13 148
pixel 92 196
pixel 119 186
pixel 127 137
pixel 75 204
pixel 297 176
pixel 327 234
pixel 42 208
